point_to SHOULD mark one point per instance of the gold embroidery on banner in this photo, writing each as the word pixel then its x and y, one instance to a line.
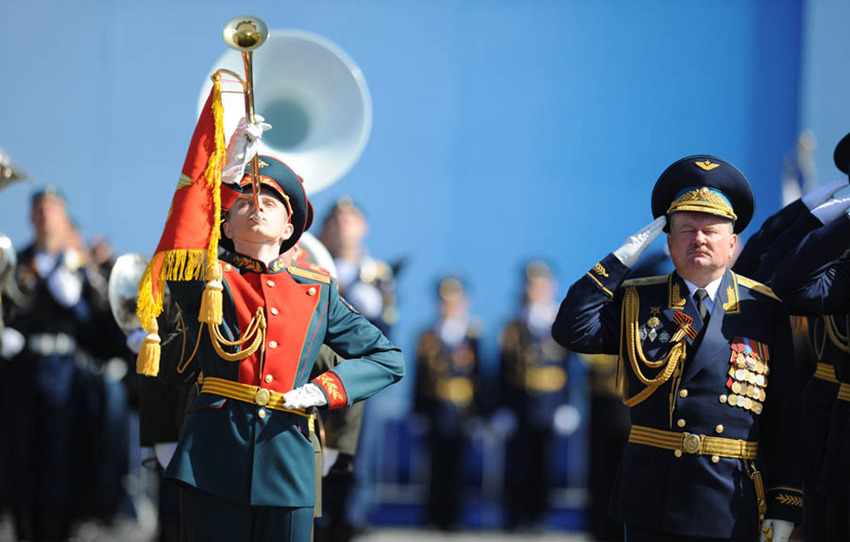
pixel 600 270
pixel 261 163
pixel 706 165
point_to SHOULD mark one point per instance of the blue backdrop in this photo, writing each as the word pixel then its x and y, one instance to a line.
pixel 502 131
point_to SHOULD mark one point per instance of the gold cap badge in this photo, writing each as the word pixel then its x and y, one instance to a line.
pixel 707 165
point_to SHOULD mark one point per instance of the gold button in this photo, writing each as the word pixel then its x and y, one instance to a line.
pixel 715 459
pixel 683 393
pixel 719 428
pixel 722 398
pixel 680 423
pixel 227 267
pixel 272 344
pixel 311 291
pixel 269 379
pixel 274 310
pixel 677 453
pixel 262 397
pixel 261 413
pixel 270 282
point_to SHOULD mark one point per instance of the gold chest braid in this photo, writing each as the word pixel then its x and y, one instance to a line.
pixel 631 349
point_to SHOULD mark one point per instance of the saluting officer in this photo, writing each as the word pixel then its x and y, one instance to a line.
pixel 706 365
pixel 813 280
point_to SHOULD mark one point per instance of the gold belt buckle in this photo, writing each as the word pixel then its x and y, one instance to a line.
pixel 262 397
pixel 691 443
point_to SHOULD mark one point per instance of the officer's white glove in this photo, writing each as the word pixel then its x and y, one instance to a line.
pixel 822 193
pixel 65 286
pixel 635 244
pixel 831 209
pixel 566 420
pixel 243 145
pixel 135 340
pixel 164 452
pixel 778 528
pixel 13 343
pixel 308 395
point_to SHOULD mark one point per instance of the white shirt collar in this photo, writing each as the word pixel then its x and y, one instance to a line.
pixel 711 288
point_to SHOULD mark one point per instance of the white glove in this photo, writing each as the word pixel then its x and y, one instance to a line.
pixel 780 529
pixel 566 420
pixel 308 395
pixel 822 193
pixel 65 286
pixel 135 340
pixel 244 144
pixel 635 245
pixel 164 452
pixel 13 343
pixel 329 457
pixel 831 209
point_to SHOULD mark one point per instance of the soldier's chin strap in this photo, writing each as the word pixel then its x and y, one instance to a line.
pixel 671 363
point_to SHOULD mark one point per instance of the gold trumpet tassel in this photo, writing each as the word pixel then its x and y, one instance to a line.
pixel 147 362
pixel 211 301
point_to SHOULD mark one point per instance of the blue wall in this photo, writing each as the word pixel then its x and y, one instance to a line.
pixel 502 130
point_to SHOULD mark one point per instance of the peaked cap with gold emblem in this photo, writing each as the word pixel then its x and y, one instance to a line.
pixel 704 184
pixel 290 187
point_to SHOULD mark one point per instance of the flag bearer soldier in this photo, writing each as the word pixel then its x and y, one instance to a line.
pixel 706 366
pixel 245 458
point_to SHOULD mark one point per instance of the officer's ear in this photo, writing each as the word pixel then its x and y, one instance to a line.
pixel 225 227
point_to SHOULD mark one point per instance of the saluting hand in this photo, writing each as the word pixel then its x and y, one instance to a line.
pixel 634 246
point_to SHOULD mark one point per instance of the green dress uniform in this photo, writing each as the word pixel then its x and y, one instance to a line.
pixel 247 460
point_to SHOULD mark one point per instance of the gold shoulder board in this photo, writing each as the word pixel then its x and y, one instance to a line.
pixel 658 279
pixel 312 275
pixel 757 286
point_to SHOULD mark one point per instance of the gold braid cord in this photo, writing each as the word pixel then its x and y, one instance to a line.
pixel 839 340
pixel 255 333
pixel 634 351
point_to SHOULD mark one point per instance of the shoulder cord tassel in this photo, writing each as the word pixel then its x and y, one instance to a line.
pixel 211 300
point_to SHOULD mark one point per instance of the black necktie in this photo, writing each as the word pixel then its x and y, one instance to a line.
pixel 700 296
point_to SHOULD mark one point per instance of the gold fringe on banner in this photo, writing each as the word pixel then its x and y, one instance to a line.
pixel 186 265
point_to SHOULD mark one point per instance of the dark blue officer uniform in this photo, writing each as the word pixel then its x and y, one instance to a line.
pixel 814 280
pixel 715 406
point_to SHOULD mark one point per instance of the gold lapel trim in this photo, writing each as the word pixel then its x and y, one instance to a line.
pixel 731 305
pixel 674 294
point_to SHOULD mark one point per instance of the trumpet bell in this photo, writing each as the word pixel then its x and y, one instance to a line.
pixel 123 290
pixel 314 96
pixel 245 33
